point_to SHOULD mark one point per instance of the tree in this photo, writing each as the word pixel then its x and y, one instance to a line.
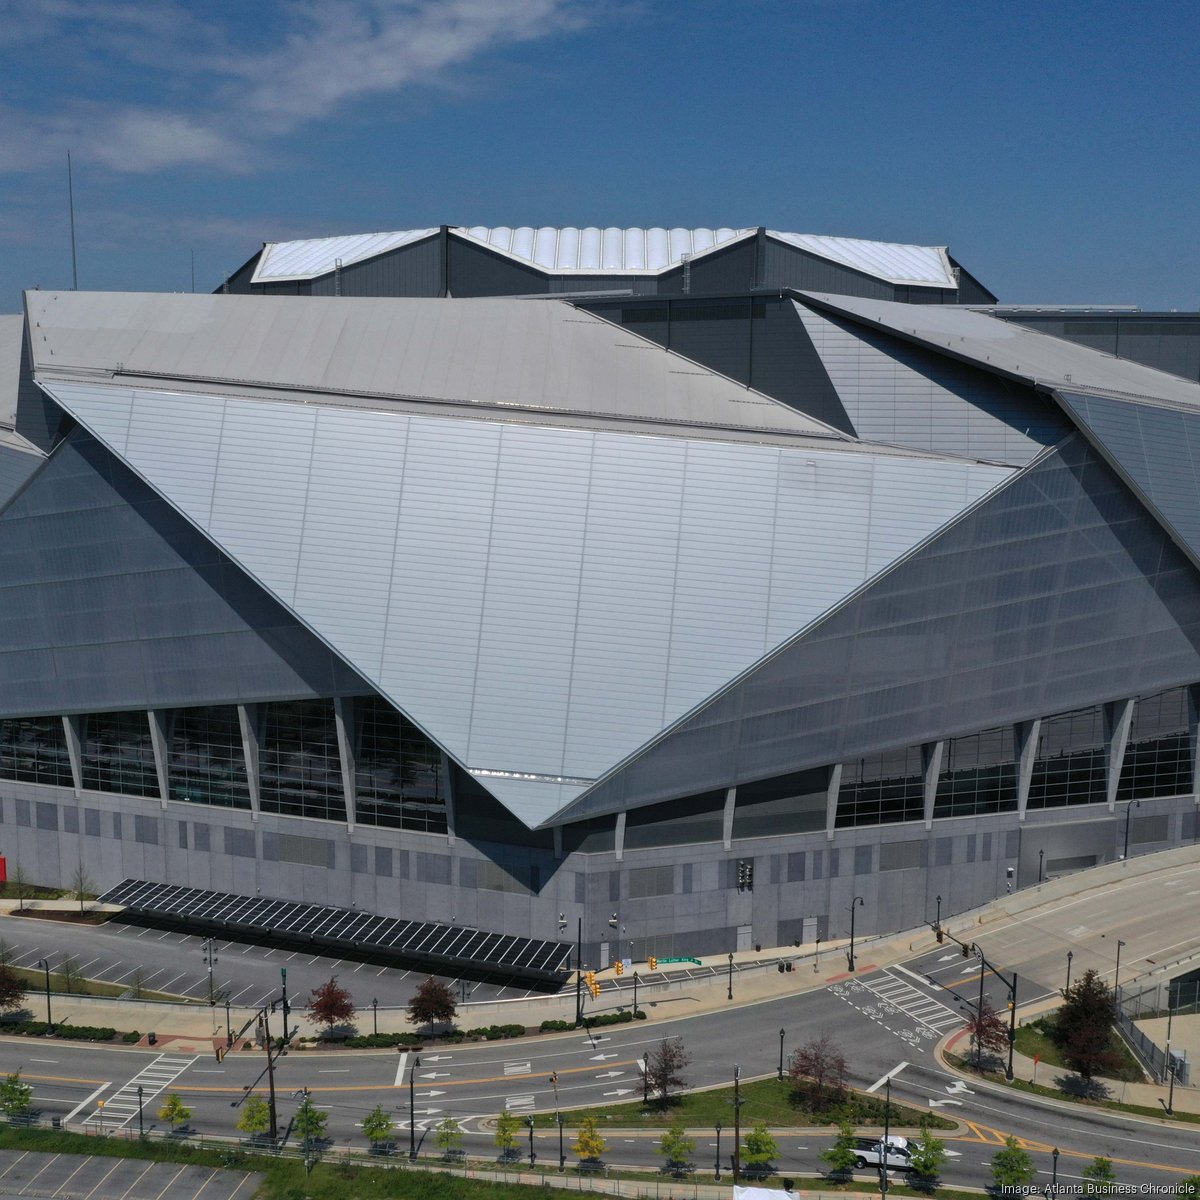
pixel 137 984
pixel 818 1069
pixel 1083 1026
pixel 664 1069
pixel 432 1004
pixel 330 1004
pixel 1012 1167
pixel 310 1120
pixel 15 1096
pixel 927 1157
pixel 379 1127
pixel 449 1138
pixel 70 977
pixel 1189 1189
pixel 839 1158
pixel 988 1030
pixel 174 1111
pixel 18 883
pixel 676 1147
pixel 82 884
pixel 7 953
pixel 506 1133
pixel 255 1120
pixel 760 1149
pixel 588 1143
pixel 12 989
pixel 1098 1176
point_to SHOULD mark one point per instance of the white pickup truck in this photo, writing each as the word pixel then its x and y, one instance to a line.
pixel 870 1154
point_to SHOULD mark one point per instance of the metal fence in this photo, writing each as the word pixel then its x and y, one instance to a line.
pixel 1157 996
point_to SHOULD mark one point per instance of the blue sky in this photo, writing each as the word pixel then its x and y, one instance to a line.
pixel 1053 145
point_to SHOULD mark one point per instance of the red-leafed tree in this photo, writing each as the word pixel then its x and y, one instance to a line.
pixel 432 1003
pixel 818 1072
pixel 331 1005
pixel 988 1030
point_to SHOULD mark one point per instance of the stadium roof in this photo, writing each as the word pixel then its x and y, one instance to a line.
pixel 590 251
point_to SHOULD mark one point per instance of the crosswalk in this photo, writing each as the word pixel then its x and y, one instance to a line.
pixel 914 1003
pixel 122 1106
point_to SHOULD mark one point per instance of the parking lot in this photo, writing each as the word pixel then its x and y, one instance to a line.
pixel 134 957
pixel 75 1176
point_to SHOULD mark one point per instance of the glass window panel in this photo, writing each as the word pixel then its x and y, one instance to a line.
pixel 300 765
pixel 979 775
pixel 118 755
pixel 207 764
pixel 34 750
pixel 1157 759
pixel 882 789
pixel 1070 764
pixel 398 777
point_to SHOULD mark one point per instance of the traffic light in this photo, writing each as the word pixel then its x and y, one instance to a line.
pixel 745 875
pixel 941 937
pixel 220 1051
pixel 966 949
pixel 620 967
pixel 592 985
pixel 652 963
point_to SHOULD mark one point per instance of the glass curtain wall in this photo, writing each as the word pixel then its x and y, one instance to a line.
pixel 118 755
pixel 207 764
pixel 300 765
pixel 398 777
pixel 1070 764
pixel 1158 760
pixel 979 775
pixel 34 750
pixel 882 788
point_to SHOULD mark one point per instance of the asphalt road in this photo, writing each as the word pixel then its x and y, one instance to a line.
pixel 888 1021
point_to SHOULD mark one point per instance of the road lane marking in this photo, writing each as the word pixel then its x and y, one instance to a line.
pixel 400 1070
pixel 84 1103
pixel 884 1078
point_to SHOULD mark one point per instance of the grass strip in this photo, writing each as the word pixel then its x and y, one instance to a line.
pixel 84 987
pixel 779 1104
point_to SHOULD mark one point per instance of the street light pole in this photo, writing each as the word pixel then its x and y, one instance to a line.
pixel 939 912
pixel 228 1023
pixel 412 1112
pixel 286 1007
pixel 141 1128
pixel 718 1164
pixel 887 1119
pixel 532 1156
pixel 645 1079
pixel 45 965
pixel 781 1036
pixel 737 1125
pixel 1054 1171
pixel 1129 807
pixel 1117 975
pixel 979 1017
pixel 1070 955
pixel 210 960
pixel 562 1158
pixel 579 973
pixel 635 985
pixel 729 993
pixel 375 1016
pixel 1041 864
pixel 853 904
pixel 270 1075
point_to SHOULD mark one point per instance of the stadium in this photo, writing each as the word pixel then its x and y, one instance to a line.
pixel 681 588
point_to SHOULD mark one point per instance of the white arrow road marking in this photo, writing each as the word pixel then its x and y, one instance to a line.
pixel 430 1095
pixel 600 1057
pixel 400 1069
pixel 952 1153
pixel 943 1103
pixel 883 1079
pixel 439 1058
pixel 947 957
pixel 620 1092
pixel 594 1042
pixel 428 1112
pixel 520 1101
pixel 972 970
pixel 958 1087
pixel 609 1074
pixel 435 1075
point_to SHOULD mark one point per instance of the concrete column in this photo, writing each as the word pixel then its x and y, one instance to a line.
pixel 1025 739
pixel 727 818
pixel 345 721
pixel 162 721
pixel 619 840
pixel 1118 717
pixel 447 777
pixel 831 799
pixel 73 731
pixel 932 754
pixel 248 719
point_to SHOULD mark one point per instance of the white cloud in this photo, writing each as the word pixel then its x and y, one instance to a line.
pixel 209 97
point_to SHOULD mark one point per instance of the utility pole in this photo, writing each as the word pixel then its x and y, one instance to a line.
pixel 270 1073
pixel 286 1007
pixel 579 973
pixel 737 1125
pixel 209 947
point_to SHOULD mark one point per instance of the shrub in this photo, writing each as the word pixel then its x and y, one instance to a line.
pixel 132 1036
pixel 382 1041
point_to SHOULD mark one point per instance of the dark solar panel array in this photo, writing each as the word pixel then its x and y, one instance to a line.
pixel 423 940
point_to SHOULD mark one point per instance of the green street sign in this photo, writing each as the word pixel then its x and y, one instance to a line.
pixel 684 959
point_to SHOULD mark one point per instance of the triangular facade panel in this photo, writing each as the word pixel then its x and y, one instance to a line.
pixel 1058 591
pixel 109 599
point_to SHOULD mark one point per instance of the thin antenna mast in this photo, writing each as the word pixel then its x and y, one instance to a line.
pixel 71 203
